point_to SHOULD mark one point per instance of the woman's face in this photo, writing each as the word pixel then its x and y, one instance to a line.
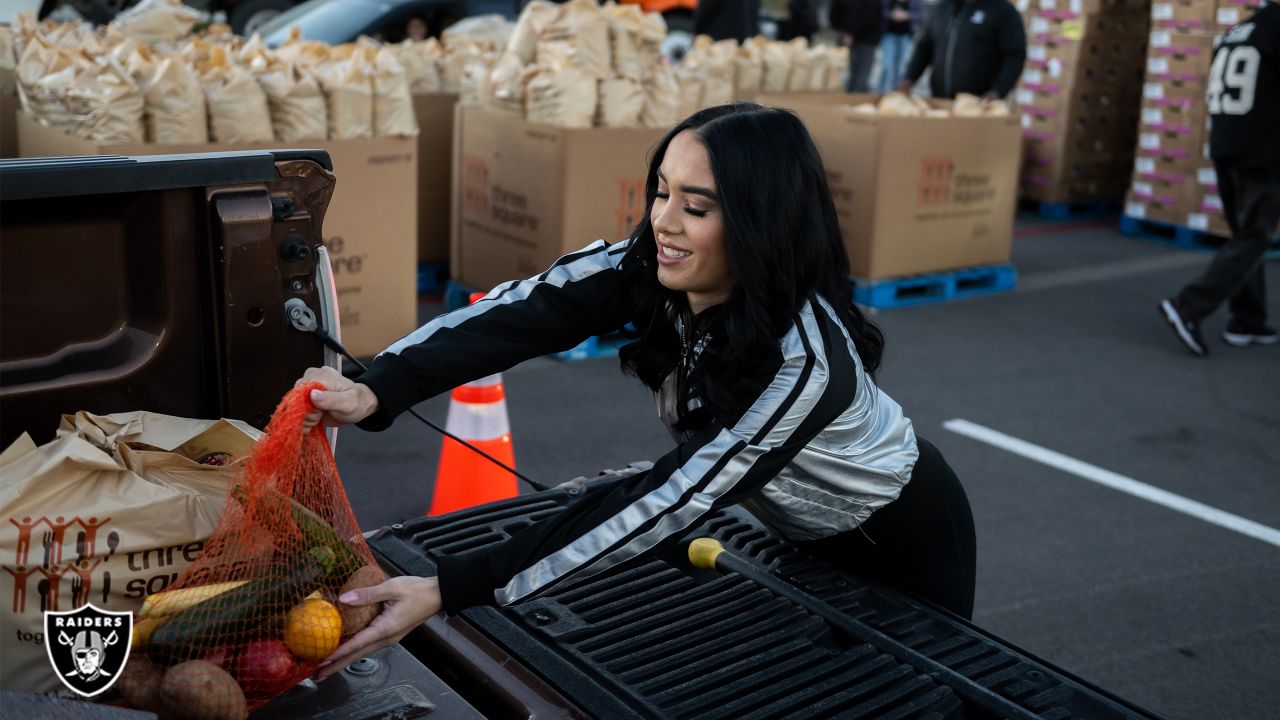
pixel 689 227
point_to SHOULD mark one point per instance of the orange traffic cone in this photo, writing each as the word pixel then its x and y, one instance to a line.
pixel 477 414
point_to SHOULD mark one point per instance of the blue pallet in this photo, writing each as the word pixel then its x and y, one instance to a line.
pixel 432 277
pixel 1073 209
pixel 934 287
pixel 1180 236
pixel 457 295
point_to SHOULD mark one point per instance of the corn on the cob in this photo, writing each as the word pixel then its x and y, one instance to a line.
pixel 173 601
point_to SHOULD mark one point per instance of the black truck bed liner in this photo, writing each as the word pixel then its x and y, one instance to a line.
pixel 656 638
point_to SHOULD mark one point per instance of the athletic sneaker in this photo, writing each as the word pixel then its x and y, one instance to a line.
pixel 1238 334
pixel 1186 329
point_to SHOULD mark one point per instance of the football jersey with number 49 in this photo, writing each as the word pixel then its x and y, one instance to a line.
pixel 1244 92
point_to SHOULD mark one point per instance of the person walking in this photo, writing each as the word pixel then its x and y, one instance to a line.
pixel 859 22
pixel 737 282
pixel 902 20
pixel 1243 99
pixel 973 46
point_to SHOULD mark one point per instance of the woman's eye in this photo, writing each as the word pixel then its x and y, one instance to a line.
pixel 661 195
pixel 696 212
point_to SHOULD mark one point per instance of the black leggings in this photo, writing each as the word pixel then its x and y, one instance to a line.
pixel 922 543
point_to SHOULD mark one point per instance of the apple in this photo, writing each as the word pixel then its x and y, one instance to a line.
pixel 266 668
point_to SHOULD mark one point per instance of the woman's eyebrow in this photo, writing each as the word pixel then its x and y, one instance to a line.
pixel 694 189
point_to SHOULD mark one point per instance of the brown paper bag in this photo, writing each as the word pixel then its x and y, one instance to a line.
pixel 689 98
pixel 238 111
pixel 109 512
pixel 778 59
pixel 45 76
pixel 662 93
pixel 577 36
pixel 157 20
pixel 523 43
pixel 635 39
pixel 620 104
pixel 473 85
pixel 421 62
pixel 507 85
pixel 138 59
pixel 348 90
pixel 801 64
pixel 307 54
pixel 175 108
pixel 8 49
pixel 563 96
pixel 106 104
pixel 393 113
pixel 296 102
pixel 748 69
pixel 490 32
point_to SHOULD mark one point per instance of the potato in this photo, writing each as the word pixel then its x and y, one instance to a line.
pixel 139 683
pixel 355 618
pixel 200 690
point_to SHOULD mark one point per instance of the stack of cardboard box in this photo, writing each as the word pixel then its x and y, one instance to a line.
pixel 1078 97
pixel 1173 178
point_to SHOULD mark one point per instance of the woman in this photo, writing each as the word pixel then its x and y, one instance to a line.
pixel 737 282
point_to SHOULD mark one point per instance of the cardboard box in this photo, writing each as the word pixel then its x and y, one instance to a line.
pixel 1154 209
pixel 1175 118
pixel 916 195
pixel 1065 10
pixel 526 193
pixel 435 173
pixel 1232 12
pixel 1163 93
pixel 370 227
pixel 1189 15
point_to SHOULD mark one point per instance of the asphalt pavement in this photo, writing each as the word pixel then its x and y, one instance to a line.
pixel 1126 494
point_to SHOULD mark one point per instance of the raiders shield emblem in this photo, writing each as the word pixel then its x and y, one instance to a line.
pixel 88 647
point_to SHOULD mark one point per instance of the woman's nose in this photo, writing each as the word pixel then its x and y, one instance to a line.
pixel 665 220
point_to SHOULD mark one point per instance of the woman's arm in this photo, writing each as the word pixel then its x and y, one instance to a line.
pixel 815 382
pixel 581 295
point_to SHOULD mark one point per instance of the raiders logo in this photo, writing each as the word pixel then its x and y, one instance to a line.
pixel 88 647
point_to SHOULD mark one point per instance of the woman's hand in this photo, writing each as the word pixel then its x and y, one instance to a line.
pixel 342 403
pixel 407 602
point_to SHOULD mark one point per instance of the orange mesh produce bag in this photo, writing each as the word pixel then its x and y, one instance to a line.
pixel 258 610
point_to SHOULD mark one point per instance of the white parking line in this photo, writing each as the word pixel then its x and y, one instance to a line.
pixel 1115 481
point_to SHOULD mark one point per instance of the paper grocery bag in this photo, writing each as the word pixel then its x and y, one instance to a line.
pixel 298 108
pixel 109 512
pixel 175 108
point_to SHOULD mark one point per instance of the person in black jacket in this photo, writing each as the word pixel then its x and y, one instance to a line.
pixel 974 46
pixel 737 282
pixel 860 24
pixel 727 19
pixel 1244 107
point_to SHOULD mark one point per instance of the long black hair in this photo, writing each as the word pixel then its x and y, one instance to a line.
pixel 784 245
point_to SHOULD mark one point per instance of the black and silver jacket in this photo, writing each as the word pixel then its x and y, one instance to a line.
pixel 815 454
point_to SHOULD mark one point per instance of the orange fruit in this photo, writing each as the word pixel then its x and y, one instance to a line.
pixel 313 629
